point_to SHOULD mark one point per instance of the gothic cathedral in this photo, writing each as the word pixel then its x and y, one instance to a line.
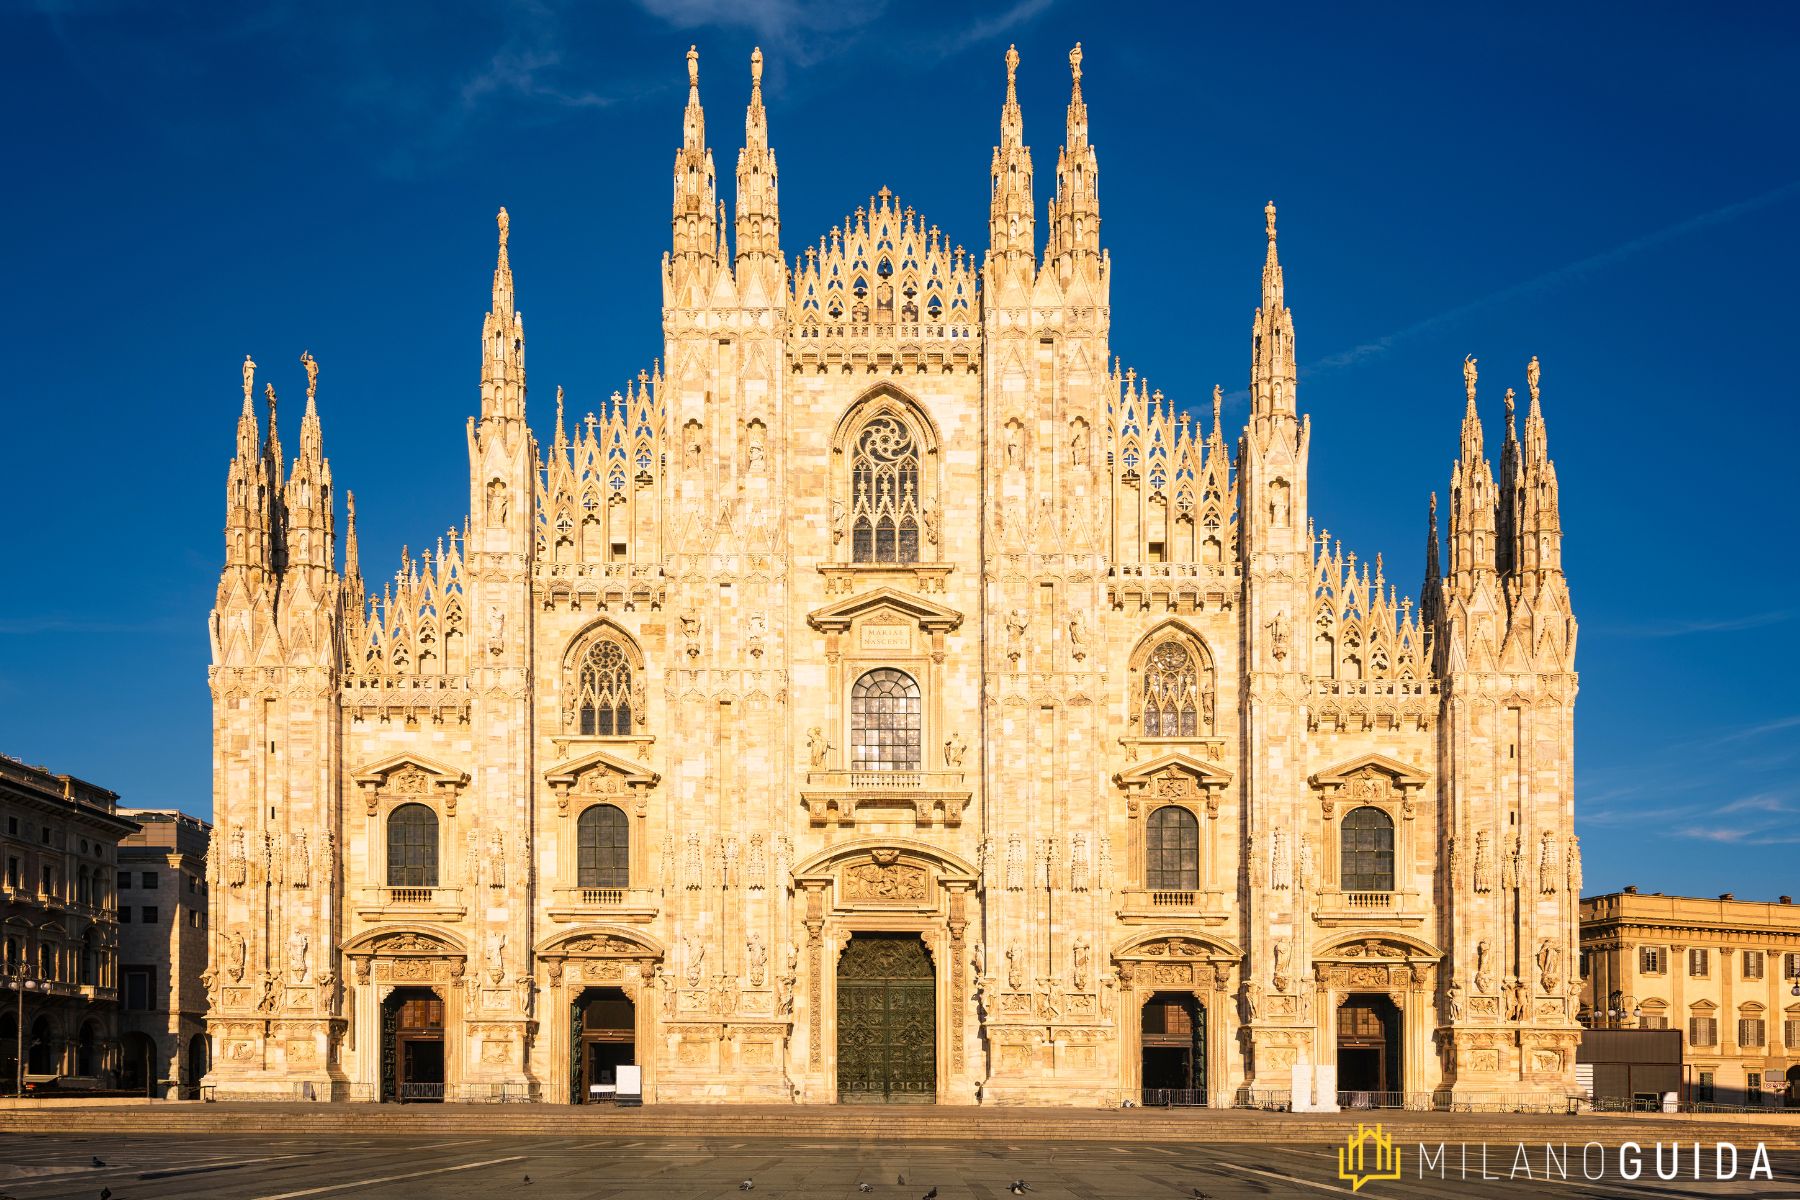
pixel 887 698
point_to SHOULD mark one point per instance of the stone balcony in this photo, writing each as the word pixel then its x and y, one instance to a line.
pixel 410 904
pixel 1334 907
pixel 1140 906
pixel 587 904
pixel 839 797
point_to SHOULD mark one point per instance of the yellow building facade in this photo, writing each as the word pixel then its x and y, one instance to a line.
pixel 890 698
pixel 1725 972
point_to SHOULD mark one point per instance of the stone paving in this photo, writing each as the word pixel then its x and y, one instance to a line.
pixel 426 1167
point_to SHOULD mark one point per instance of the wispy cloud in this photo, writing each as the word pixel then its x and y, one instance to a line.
pixel 1677 627
pixel 44 625
pixel 1556 278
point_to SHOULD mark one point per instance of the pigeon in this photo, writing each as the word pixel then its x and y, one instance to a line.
pixel 1200 1195
pixel 932 1194
pixel 98 1162
pixel 1018 1187
pixel 528 1179
pixel 747 1184
pixel 105 1193
pixel 900 1179
pixel 865 1187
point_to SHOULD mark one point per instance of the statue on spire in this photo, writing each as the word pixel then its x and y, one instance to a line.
pixel 693 59
pixel 312 374
pixel 1469 376
pixel 1269 219
pixel 505 223
pixel 250 377
pixel 1012 74
pixel 1531 378
pixel 756 69
pixel 1075 66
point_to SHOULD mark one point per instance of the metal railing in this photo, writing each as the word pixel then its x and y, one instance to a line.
pixel 414 1093
pixel 1270 1099
pixel 1362 1099
pixel 491 1093
pixel 1172 1097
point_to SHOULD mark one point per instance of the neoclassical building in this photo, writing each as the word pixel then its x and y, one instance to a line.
pixel 887 697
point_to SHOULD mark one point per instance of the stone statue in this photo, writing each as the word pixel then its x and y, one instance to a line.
pixel 756 958
pixel 1483 867
pixel 235 950
pixel 299 863
pixel 1081 955
pixel 1549 958
pixel 249 378
pixel 1284 959
pixel 978 960
pixel 1469 376
pixel 931 526
pixel 496 958
pixel 496 859
pixel 271 994
pixel 817 747
pixel 837 521
pixel 1509 868
pixel 1016 621
pixel 1483 981
pixel 1278 636
pixel 1548 866
pixel 496 629
pixel 1516 1002
pixel 525 993
pixel 694 953
pixel 1078 636
pixel 1575 866
pixel 312 373
pixel 297 953
pixel 666 983
pixel 1453 1000
pixel 237 863
pixel 1252 1000
pixel 954 749
pixel 1014 969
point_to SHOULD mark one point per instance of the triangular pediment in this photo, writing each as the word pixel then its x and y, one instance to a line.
pixel 570 773
pixel 933 618
pixel 1363 765
pixel 1175 764
pixel 410 772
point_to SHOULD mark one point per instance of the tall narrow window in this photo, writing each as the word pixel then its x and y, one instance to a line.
pixel 412 843
pixel 1367 858
pixel 1172 850
pixel 885 721
pixel 1171 692
pixel 885 511
pixel 603 691
pixel 602 848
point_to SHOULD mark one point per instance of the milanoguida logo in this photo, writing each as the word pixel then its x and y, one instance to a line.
pixel 1368 1154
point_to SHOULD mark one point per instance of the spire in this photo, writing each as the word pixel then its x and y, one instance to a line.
pixel 247 495
pixel 353 581
pixel 1506 513
pixel 695 235
pixel 1075 210
pixel 1428 595
pixel 1011 230
pixel 307 524
pixel 1473 500
pixel 249 439
pixel 1538 560
pixel 503 341
pixel 1272 372
pixel 758 209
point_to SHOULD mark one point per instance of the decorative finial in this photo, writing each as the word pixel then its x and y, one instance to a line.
pixel 1269 219
pixel 1469 376
pixel 693 66
pixel 1075 63
pixel 1218 403
pixel 1012 70
pixel 312 374
pixel 756 67
pixel 250 377
pixel 505 223
pixel 1531 378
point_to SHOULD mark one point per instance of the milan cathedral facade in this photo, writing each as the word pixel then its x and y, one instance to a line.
pixel 888 698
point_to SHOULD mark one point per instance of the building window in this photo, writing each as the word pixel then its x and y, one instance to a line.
pixel 1750 1032
pixel 885 511
pixel 1703 1091
pixel 1698 963
pixel 147 915
pixel 124 914
pixel 885 722
pixel 412 844
pixel 1790 966
pixel 603 691
pixel 193 885
pixel 124 881
pixel 1366 862
pixel 1655 1021
pixel 148 880
pixel 1753 1087
pixel 1171 692
pixel 137 989
pixel 602 848
pixel 1790 1030
pixel 1172 850
pixel 1703 1031
pixel 1651 960
pixel 1753 964
pixel 14 873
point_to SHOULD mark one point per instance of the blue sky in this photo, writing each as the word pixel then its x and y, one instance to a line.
pixel 1613 190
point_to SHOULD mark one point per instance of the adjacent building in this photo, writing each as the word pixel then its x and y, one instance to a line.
pixel 162 903
pixel 1723 972
pixel 59 935
pixel 887 696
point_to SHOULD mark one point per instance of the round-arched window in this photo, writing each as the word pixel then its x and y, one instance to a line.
pixel 885 722
pixel 412 843
pixel 1172 850
pixel 602 848
pixel 1366 854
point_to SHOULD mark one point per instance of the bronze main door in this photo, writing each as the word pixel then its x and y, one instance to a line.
pixel 886 1021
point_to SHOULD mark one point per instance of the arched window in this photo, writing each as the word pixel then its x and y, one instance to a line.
pixel 1172 850
pixel 602 848
pixel 885 717
pixel 1366 862
pixel 412 843
pixel 603 691
pixel 885 510
pixel 1171 692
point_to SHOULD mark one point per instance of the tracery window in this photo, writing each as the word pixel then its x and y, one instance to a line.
pixel 1171 696
pixel 1366 851
pixel 412 845
pixel 885 510
pixel 886 717
pixel 1172 850
pixel 603 691
pixel 602 848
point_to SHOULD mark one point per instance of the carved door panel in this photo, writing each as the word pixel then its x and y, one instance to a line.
pixel 887 1021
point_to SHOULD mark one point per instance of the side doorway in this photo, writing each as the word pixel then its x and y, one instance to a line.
pixel 412 1051
pixel 603 1038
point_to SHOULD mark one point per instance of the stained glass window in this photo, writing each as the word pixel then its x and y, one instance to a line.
pixel 412 834
pixel 1367 862
pixel 1172 850
pixel 602 848
pixel 1171 692
pixel 885 511
pixel 885 721
pixel 603 691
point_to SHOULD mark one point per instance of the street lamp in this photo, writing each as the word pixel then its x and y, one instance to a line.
pixel 21 981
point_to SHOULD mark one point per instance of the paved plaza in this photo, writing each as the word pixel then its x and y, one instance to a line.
pixel 425 1165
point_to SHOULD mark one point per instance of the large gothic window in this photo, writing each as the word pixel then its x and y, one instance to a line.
pixel 885 510
pixel 1171 695
pixel 412 842
pixel 1367 851
pixel 603 691
pixel 602 848
pixel 1172 851
pixel 885 722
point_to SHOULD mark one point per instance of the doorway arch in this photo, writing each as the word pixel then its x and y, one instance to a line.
pixel 1172 1049
pixel 886 1020
pixel 9 1052
pixel 412 1046
pixel 137 1063
pixel 1369 1063
pixel 41 1051
pixel 603 1032
pixel 198 1062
